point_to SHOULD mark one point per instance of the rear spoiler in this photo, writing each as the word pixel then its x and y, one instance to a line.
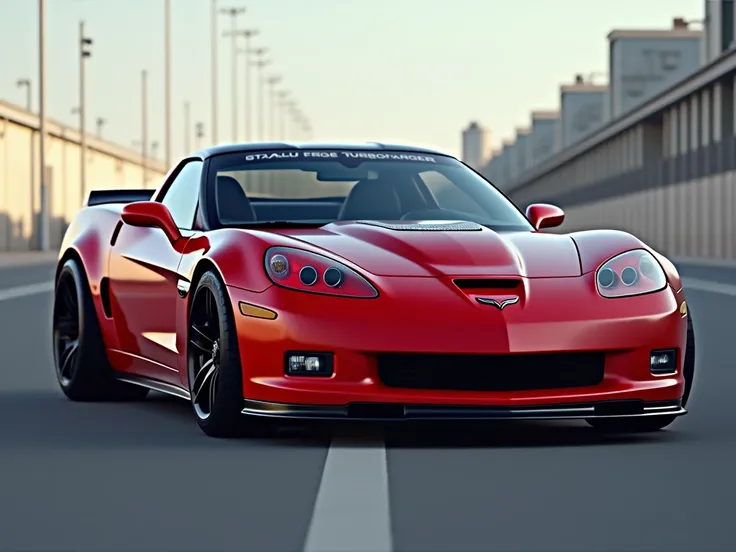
pixel 103 197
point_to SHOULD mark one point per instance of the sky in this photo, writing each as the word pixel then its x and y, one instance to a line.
pixel 406 71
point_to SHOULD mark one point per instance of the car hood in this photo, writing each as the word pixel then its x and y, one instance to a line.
pixel 410 249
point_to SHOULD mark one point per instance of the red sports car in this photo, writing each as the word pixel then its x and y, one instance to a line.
pixel 363 282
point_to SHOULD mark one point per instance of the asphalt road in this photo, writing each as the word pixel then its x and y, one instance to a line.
pixel 141 477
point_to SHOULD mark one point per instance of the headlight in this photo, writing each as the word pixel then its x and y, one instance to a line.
pixel 633 273
pixel 304 271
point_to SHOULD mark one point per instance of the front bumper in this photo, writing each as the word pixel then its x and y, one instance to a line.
pixel 396 411
pixel 430 316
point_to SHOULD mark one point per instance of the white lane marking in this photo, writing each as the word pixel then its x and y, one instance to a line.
pixel 707 285
pixel 24 291
pixel 351 513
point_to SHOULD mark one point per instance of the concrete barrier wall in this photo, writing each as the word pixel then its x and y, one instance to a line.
pixel 108 166
pixel 666 171
pixel 691 219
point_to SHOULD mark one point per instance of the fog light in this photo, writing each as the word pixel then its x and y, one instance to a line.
pixel 309 364
pixel 663 362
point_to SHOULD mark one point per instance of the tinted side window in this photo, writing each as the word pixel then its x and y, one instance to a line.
pixel 182 196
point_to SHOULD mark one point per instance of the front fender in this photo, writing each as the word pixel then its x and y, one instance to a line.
pixel 673 276
pixel 597 246
pixel 236 255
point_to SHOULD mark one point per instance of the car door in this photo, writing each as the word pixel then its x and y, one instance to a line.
pixel 143 280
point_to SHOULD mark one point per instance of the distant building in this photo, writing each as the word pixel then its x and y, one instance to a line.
pixel 520 156
pixel 718 36
pixel 492 170
pixel 543 141
pixel 582 110
pixel 476 142
pixel 644 63
pixel 503 172
pixel 510 152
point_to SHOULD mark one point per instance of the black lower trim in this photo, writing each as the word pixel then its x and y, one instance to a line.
pixel 154 385
pixel 394 411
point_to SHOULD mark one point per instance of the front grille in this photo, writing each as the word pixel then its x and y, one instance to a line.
pixel 487 283
pixel 518 372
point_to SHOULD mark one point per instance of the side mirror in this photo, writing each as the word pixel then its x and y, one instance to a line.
pixel 151 214
pixel 543 215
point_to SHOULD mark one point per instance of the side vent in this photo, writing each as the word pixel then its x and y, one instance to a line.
pixel 116 233
pixel 487 283
pixel 105 296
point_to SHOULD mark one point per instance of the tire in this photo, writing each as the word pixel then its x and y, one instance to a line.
pixel 688 370
pixel 82 367
pixel 654 423
pixel 213 363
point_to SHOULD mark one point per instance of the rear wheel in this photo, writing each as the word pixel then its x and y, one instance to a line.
pixel 654 423
pixel 213 362
pixel 82 368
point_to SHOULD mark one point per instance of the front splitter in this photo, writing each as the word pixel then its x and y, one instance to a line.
pixel 398 411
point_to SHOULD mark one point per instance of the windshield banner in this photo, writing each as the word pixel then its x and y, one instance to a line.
pixel 311 155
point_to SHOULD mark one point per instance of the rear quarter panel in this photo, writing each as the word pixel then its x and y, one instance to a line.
pixel 88 237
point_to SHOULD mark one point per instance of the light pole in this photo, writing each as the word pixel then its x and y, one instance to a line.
pixel 144 126
pixel 288 110
pixel 213 63
pixel 248 34
pixel 295 116
pixel 26 83
pixel 283 97
pixel 198 135
pixel 84 53
pixel 167 79
pixel 44 222
pixel 261 63
pixel 233 13
pixel 273 80
pixel 100 123
pixel 302 124
pixel 187 129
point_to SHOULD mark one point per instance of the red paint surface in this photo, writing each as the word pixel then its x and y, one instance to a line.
pixel 418 309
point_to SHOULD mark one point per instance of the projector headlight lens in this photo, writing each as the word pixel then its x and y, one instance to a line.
pixel 632 273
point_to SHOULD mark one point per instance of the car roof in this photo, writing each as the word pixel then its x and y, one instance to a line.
pixel 278 146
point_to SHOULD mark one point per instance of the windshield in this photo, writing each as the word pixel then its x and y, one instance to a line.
pixel 315 187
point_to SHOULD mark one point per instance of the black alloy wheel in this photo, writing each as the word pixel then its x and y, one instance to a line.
pixel 66 328
pixel 80 358
pixel 204 342
pixel 213 363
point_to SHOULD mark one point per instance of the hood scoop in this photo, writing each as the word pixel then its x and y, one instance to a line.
pixel 426 226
